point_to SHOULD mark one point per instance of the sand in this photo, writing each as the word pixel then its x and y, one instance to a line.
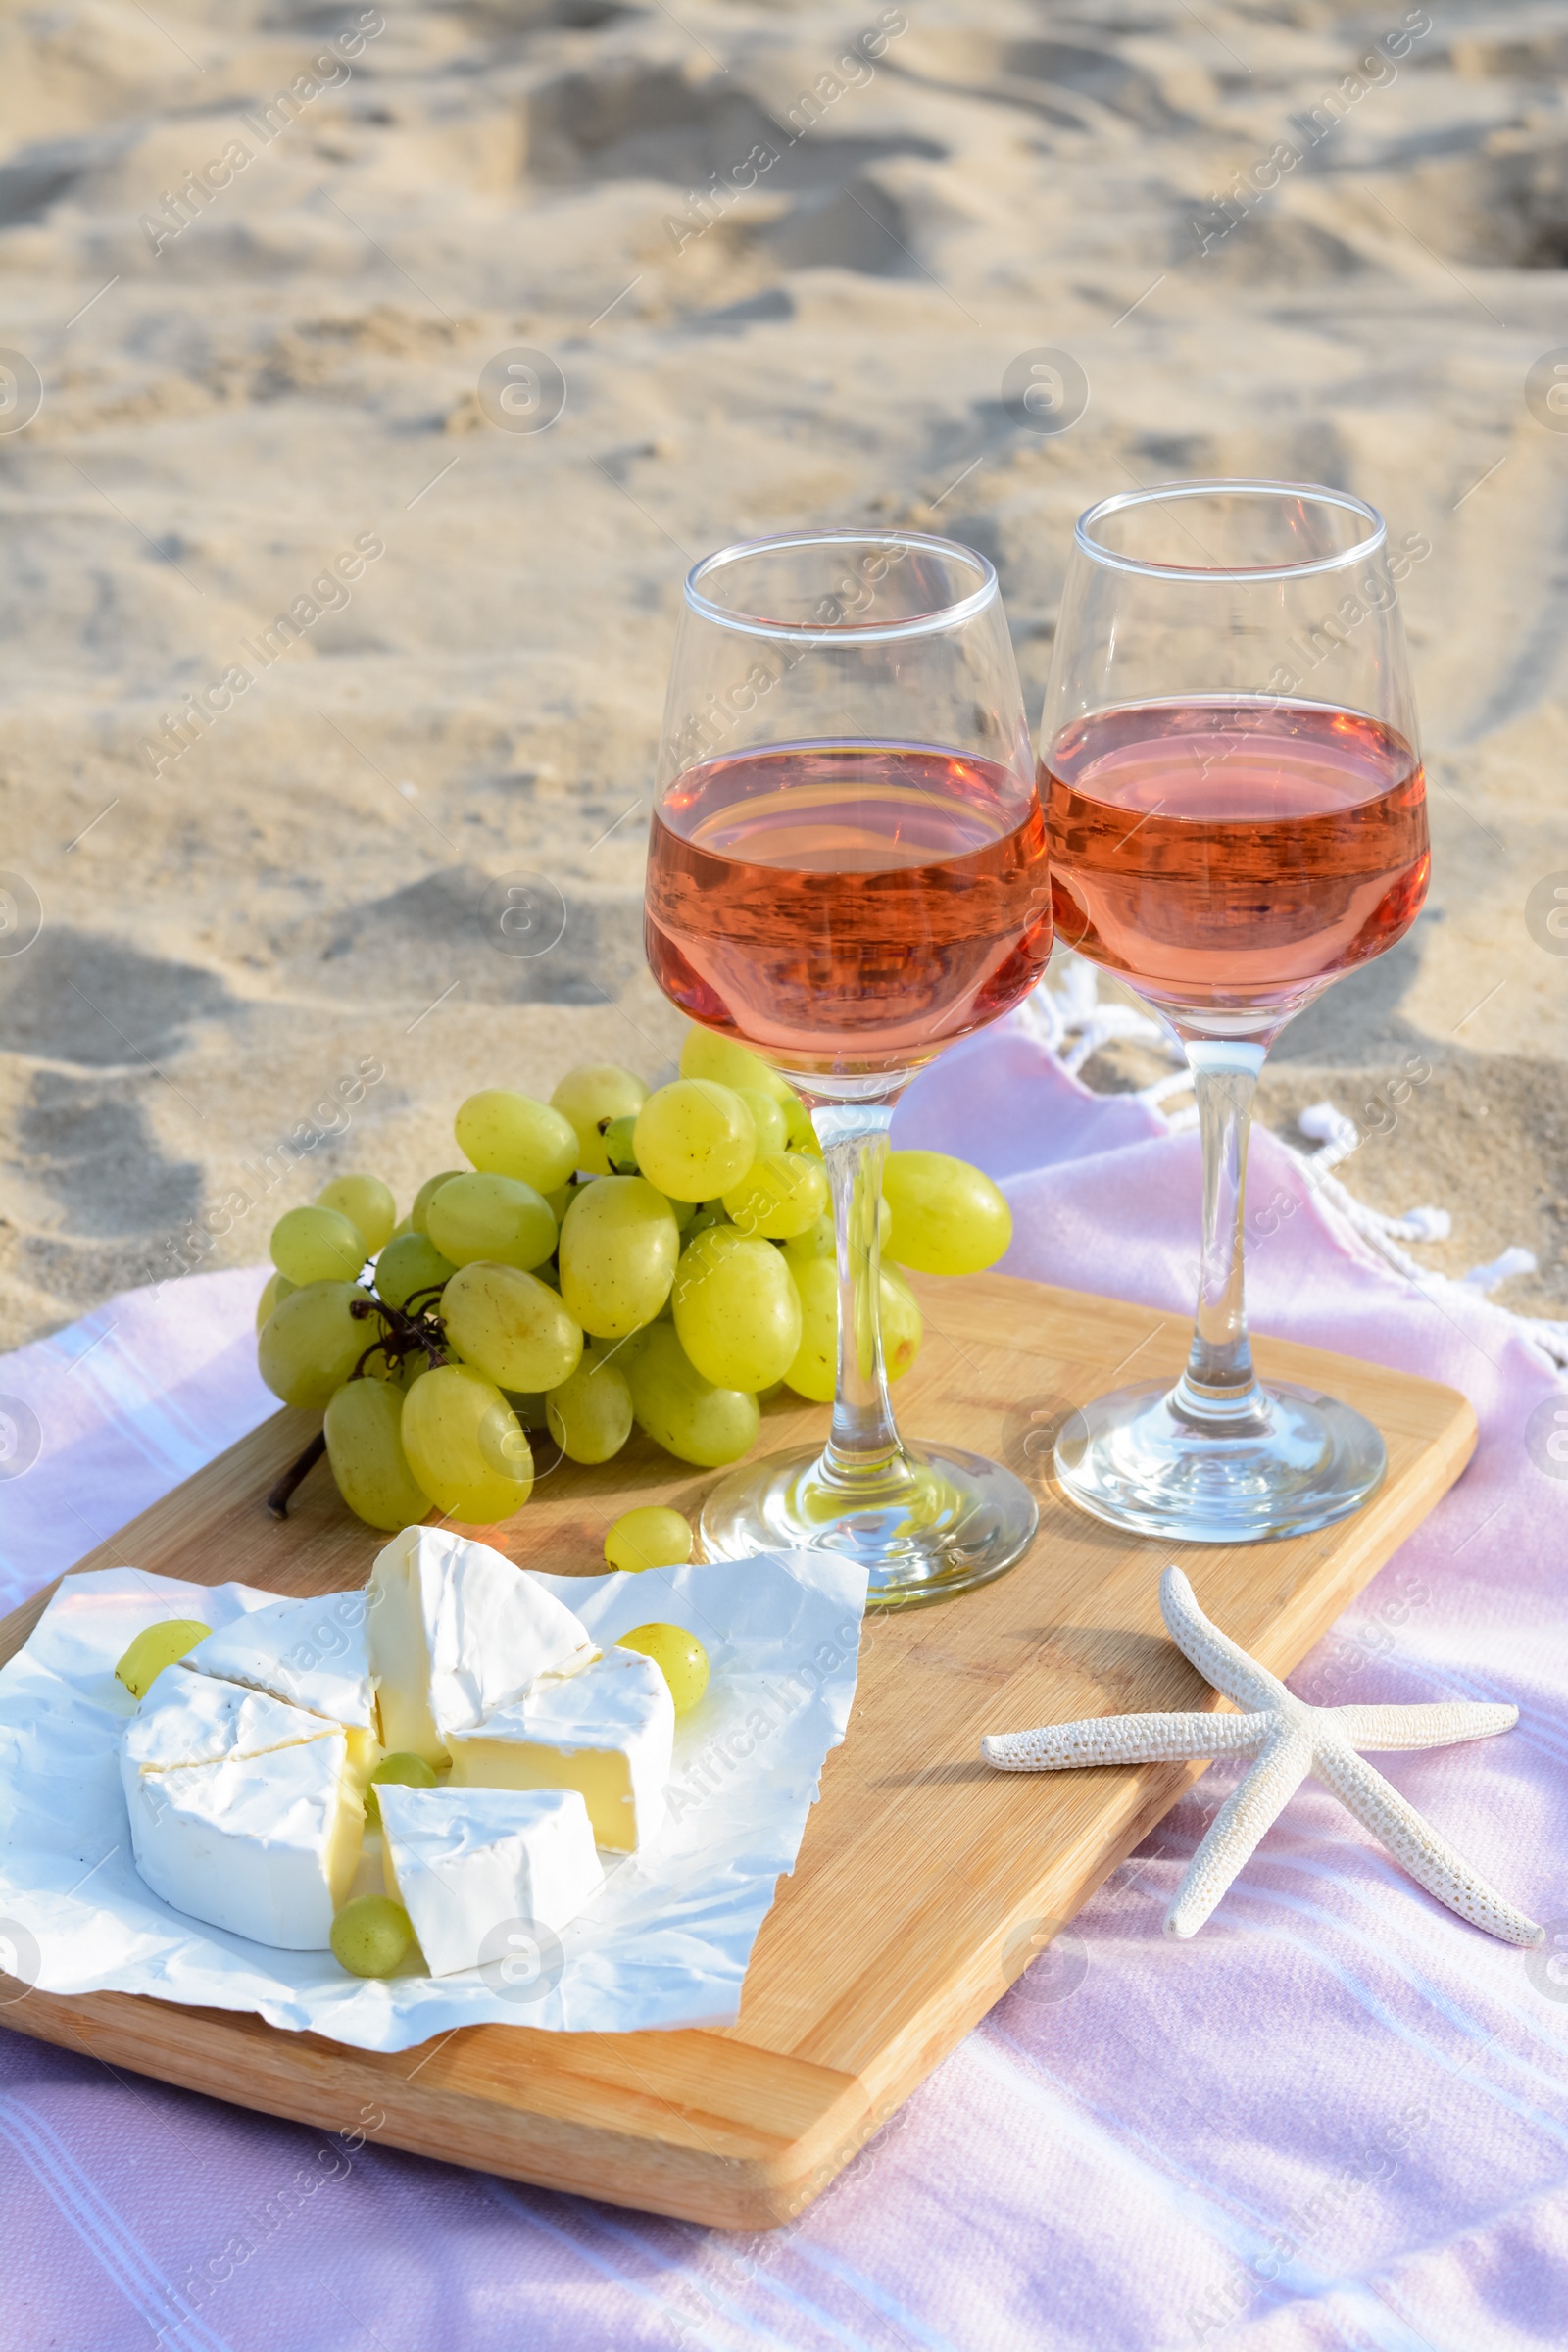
pixel 278 394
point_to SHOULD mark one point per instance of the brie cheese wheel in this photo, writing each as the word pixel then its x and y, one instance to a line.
pixel 312 1652
pixel 456 1630
pixel 607 1730
pixel 196 1719
pixel 263 1847
pixel 471 1865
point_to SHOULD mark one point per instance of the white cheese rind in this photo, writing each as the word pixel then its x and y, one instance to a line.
pixel 197 1719
pixel 263 1847
pixel 607 1730
pixel 467 1863
pixel 456 1630
pixel 311 1652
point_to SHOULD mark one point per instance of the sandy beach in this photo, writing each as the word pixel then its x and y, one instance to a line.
pixel 371 379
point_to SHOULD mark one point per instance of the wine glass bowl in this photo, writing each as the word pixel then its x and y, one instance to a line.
pixel 848 860
pixel 847 872
pixel 1235 812
pixel 1230 856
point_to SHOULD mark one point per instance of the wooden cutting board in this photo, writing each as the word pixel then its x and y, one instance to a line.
pixel 925 1882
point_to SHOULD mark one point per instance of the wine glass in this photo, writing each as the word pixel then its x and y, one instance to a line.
pixel 847 871
pixel 1236 814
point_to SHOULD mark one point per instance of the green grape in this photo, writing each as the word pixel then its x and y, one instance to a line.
pixel 737 1312
pixel 694 1139
pixel 373 1935
pixel 817 1241
pixel 767 1117
pixel 365 1446
pixel 465 1445
pixel 705 1215
pixel 492 1216
pixel 511 1327
pixel 275 1287
pixel 411 1263
pixel 598 1090
pixel 781 1196
pixel 679 1409
pixel 684 1212
pixel 318 1245
pixel 366 1203
pixel 704 1055
pixel 621 1146
pixel 310 1342
pixel 903 1326
pixel 618 1248
pixel 401 1770
pixel 949 1218
pixel 590 1414
pixel 652 1535
pixel 679 1656
pixel 802 1135
pixel 814 1371
pixel 155 1647
pixel 511 1135
pixel 418 1214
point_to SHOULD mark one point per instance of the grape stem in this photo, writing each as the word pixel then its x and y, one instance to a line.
pixel 278 1501
pixel 405 1333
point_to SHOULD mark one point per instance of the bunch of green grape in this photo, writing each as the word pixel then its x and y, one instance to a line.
pixel 613 1258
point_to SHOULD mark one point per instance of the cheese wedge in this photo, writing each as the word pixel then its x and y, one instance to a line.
pixel 456 1630
pixel 607 1731
pixel 263 1847
pixel 312 1652
pixel 469 1865
pixel 196 1719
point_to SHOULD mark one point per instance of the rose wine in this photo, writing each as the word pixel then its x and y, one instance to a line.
pixel 1233 856
pixel 847 907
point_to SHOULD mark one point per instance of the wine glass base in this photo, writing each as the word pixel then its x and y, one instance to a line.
pixel 962 1521
pixel 1132 1461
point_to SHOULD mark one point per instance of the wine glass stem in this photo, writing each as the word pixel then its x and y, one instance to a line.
pixel 863 1453
pixel 1219 1386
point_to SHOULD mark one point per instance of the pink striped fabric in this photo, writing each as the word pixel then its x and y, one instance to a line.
pixel 1338 2117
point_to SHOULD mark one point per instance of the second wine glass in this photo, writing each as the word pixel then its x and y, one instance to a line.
pixel 1237 816
pixel 847 872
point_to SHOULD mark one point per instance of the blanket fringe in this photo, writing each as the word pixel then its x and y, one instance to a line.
pixel 1065 1014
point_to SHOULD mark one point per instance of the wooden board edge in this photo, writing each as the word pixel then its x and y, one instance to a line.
pixel 17 1630
pixel 302 2079
pixel 902 2066
pixel 1366 1542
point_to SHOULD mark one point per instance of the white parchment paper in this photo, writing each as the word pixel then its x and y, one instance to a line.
pixel 666 1944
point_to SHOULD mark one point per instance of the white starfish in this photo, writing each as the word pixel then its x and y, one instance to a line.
pixel 1289 1740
